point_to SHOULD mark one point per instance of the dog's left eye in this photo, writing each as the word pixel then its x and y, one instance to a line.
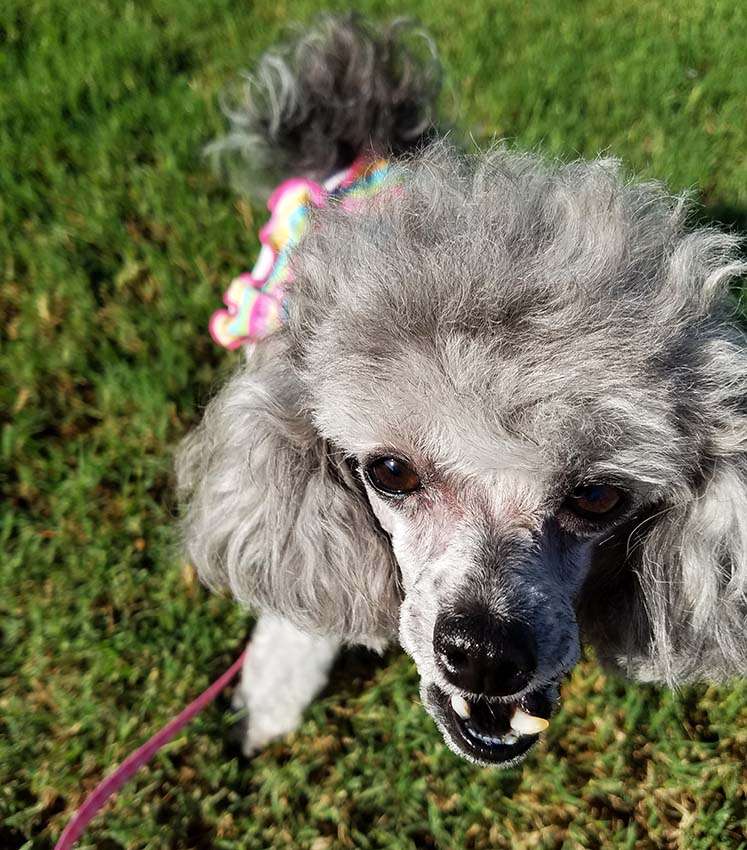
pixel 594 500
pixel 392 476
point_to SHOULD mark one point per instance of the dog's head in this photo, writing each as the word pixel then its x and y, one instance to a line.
pixel 507 412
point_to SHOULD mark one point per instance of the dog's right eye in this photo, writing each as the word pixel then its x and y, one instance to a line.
pixel 392 476
pixel 594 501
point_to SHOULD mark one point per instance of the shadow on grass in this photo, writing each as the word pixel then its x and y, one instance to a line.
pixel 733 219
pixel 727 216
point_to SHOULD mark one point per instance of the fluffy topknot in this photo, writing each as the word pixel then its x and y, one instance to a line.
pixel 335 91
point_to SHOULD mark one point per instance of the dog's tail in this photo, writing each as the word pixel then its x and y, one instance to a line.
pixel 338 90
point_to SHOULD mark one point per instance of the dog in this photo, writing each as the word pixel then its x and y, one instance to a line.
pixel 503 415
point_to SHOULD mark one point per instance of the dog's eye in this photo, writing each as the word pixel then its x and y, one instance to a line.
pixel 594 500
pixel 392 476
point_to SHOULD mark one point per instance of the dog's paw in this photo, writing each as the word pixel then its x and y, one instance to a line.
pixel 284 670
pixel 263 723
pixel 255 729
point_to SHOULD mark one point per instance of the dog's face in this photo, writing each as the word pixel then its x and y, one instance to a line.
pixel 497 476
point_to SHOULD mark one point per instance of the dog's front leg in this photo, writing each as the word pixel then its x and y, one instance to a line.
pixel 283 671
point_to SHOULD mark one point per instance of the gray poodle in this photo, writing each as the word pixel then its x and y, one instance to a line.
pixel 505 415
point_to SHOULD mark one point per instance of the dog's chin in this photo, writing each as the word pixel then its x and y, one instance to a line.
pixel 486 737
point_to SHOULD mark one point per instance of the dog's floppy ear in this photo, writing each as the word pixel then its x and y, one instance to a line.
pixel 667 600
pixel 692 575
pixel 275 516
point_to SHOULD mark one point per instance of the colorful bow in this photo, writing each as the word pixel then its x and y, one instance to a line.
pixel 255 300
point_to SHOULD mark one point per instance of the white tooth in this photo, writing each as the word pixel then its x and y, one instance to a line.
pixel 526 724
pixel 510 738
pixel 461 706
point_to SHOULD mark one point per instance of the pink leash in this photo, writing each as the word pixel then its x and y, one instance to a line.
pixel 111 784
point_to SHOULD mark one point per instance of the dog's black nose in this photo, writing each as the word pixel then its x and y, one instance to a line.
pixel 483 655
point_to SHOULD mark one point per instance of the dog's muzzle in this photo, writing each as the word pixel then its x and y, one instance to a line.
pixel 489 662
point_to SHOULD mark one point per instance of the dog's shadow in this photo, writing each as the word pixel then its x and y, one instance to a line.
pixel 354 667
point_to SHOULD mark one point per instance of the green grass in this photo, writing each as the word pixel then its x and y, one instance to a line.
pixel 115 245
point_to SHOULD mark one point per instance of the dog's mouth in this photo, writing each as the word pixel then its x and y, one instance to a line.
pixel 499 733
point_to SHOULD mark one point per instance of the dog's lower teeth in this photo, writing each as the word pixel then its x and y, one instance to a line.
pixel 491 740
pixel 461 706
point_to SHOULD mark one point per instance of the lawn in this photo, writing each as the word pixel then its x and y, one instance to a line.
pixel 116 242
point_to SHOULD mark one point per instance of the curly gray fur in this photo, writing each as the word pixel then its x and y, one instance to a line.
pixel 337 90
pixel 584 318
